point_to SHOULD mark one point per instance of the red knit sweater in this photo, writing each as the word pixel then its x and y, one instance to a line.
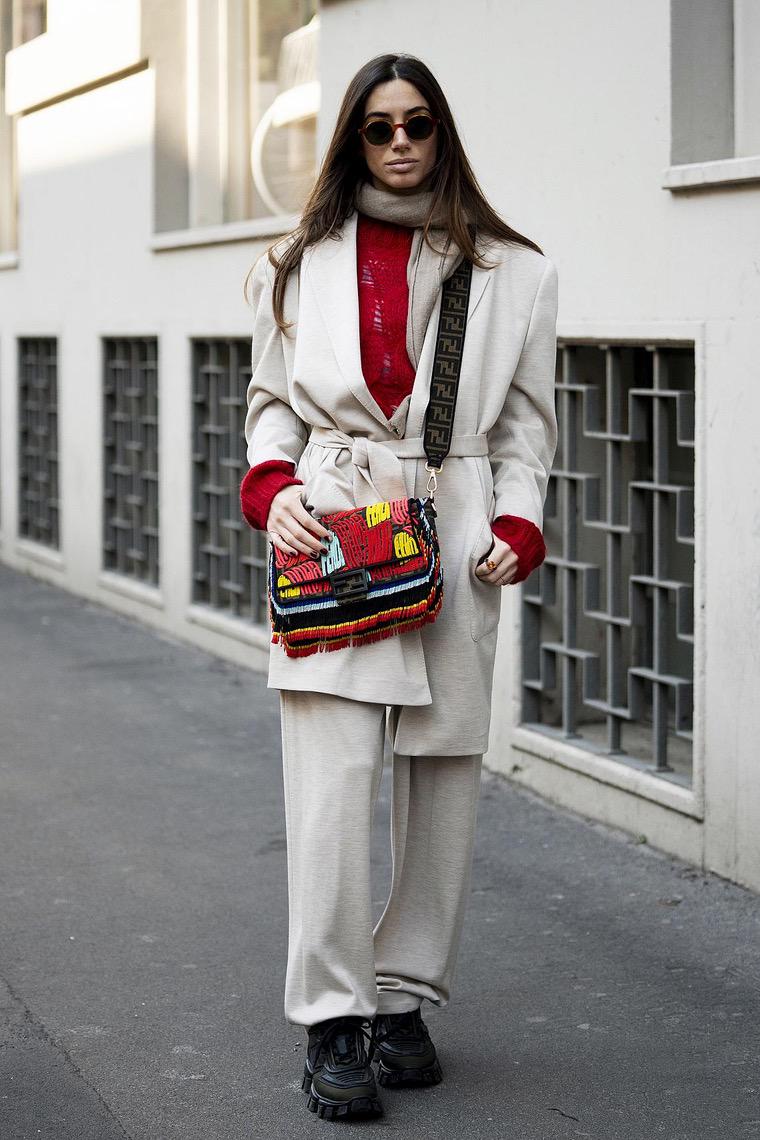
pixel 382 254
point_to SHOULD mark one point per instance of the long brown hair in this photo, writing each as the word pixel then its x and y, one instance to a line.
pixel 455 189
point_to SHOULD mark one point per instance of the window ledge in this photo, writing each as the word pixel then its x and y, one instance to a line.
pixel 720 172
pixel 9 260
pixel 639 779
pixel 46 555
pixel 220 622
pixel 131 588
pixel 226 232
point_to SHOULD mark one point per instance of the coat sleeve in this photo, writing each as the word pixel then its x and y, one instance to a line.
pixel 272 428
pixel 523 441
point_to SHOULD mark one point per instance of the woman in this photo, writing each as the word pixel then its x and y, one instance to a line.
pixel 343 343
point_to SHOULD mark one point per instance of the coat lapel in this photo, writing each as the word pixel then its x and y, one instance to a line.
pixel 331 268
pixel 480 279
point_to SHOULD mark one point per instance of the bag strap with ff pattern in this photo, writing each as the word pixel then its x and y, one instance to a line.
pixel 447 365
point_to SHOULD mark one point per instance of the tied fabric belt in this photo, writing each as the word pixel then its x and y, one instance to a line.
pixel 377 470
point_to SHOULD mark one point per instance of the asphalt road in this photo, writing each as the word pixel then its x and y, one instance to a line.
pixel 603 989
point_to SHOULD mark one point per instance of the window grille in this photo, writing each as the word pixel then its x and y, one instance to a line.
pixel 130 540
pixel 38 440
pixel 608 618
pixel 230 559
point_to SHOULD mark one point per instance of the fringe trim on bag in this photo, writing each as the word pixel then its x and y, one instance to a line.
pixel 354 638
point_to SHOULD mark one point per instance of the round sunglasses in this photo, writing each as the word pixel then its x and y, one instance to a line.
pixel 379 132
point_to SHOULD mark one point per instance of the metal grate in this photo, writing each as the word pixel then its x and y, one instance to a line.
pixel 130 540
pixel 608 618
pixel 230 559
pixel 38 440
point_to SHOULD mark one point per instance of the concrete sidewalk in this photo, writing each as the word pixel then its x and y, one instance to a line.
pixel 603 990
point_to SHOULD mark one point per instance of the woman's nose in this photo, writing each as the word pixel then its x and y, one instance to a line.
pixel 400 137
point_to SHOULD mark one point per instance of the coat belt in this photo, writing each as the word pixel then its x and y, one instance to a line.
pixel 377 470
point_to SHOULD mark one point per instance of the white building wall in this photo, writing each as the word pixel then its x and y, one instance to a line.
pixel 87 270
pixel 565 111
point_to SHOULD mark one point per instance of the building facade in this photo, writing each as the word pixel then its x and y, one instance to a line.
pixel 149 151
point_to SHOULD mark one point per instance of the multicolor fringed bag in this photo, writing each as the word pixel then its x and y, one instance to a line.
pixel 381 574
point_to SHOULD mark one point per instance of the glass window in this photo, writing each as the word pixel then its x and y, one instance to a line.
pixel 715 84
pixel 7 141
pixel 29 20
pixel 247 122
pixel 284 95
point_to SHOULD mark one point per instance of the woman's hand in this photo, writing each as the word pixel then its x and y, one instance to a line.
pixel 504 562
pixel 291 527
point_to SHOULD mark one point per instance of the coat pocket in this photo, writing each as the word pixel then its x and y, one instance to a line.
pixel 485 599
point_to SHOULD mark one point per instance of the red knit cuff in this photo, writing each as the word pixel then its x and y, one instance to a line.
pixel 260 485
pixel 525 539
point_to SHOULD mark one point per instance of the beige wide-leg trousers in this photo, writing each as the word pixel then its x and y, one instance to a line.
pixel 339 963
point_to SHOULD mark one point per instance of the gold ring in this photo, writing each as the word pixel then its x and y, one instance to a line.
pixel 490 564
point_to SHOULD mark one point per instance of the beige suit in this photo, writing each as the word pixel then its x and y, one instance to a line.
pixel 308 403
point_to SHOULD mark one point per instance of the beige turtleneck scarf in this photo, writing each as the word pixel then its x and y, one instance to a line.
pixel 427 269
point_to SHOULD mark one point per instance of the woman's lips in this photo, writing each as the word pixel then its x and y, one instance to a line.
pixel 403 164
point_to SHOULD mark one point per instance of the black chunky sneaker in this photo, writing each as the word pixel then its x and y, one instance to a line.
pixel 406 1054
pixel 338 1075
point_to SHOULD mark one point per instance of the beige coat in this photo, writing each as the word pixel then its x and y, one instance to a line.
pixel 309 383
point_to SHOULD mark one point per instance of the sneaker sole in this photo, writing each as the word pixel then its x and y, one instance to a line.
pixel 359 1106
pixel 409 1078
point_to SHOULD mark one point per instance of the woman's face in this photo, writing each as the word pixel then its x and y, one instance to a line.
pixel 402 165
